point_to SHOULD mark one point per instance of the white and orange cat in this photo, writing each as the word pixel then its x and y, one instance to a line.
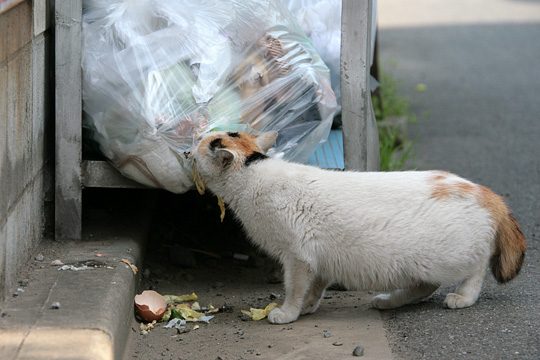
pixel 405 232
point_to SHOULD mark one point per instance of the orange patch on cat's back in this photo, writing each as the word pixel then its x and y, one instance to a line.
pixel 443 186
pixel 439 175
pixel 493 203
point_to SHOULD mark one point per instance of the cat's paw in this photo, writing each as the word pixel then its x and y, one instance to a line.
pixel 383 302
pixel 457 301
pixel 310 308
pixel 279 316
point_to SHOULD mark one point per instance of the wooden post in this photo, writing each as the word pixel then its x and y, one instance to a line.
pixel 360 136
pixel 68 111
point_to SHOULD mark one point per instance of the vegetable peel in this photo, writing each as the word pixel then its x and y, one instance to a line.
pixel 174 299
pixel 259 314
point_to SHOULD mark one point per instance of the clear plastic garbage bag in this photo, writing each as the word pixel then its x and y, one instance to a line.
pixel 157 74
pixel 321 22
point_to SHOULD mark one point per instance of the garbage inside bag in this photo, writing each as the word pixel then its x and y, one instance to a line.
pixel 321 21
pixel 158 74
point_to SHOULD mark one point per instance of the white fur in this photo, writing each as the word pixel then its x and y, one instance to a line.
pixel 369 230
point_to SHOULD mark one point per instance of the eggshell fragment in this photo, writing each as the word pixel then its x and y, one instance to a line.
pixel 150 305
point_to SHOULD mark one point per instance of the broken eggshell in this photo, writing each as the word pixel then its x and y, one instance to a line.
pixel 150 305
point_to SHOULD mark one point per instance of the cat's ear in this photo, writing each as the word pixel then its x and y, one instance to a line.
pixel 266 140
pixel 225 157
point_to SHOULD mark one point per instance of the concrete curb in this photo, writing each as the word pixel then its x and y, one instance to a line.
pixel 96 304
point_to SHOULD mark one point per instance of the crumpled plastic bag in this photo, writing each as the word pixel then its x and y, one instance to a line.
pixel 321 21
pixel 157 74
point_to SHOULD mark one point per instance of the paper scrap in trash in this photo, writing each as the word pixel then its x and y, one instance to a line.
pixel 259 314
pixel 175 323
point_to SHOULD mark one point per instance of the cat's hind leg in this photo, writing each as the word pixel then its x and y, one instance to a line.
pixel 313 297
pixel 298 278
pixel 400 297
pixel 467 292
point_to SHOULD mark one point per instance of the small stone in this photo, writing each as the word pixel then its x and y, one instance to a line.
pixel 182 330
pixel 326 334
pixel 245 317
pixel 337 343
pixel 274 296
pixel 358 351
pixel 55 305
pixel 39 257
pixel 269 346
pixel 57 262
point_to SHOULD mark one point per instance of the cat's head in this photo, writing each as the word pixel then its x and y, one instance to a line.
pixel 220 152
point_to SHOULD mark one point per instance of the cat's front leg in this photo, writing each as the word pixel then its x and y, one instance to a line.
pixel 314 296
pixel 298 278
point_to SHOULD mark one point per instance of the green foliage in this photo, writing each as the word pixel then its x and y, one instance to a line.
pixel 394 152
pixel 394 148
pixel 392 103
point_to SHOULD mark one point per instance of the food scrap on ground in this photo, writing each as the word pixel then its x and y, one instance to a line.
pixel 176 310
pixel 185 312
pixel 174 299
pixel 145 328
pixel 259 314
pixel 131 265
pixel 81 265
pixel 150 305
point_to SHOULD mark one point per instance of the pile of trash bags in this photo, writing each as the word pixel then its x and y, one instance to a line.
pixel 157 74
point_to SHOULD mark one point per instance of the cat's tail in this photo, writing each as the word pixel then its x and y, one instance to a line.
pixel 510 242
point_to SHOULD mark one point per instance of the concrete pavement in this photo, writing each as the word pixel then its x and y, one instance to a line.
pixel 76 314
pixel 480 118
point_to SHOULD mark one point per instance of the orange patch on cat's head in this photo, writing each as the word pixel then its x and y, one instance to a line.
pixel 241 143
pixel 232 150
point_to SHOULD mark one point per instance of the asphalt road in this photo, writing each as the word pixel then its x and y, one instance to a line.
pixel 480 118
